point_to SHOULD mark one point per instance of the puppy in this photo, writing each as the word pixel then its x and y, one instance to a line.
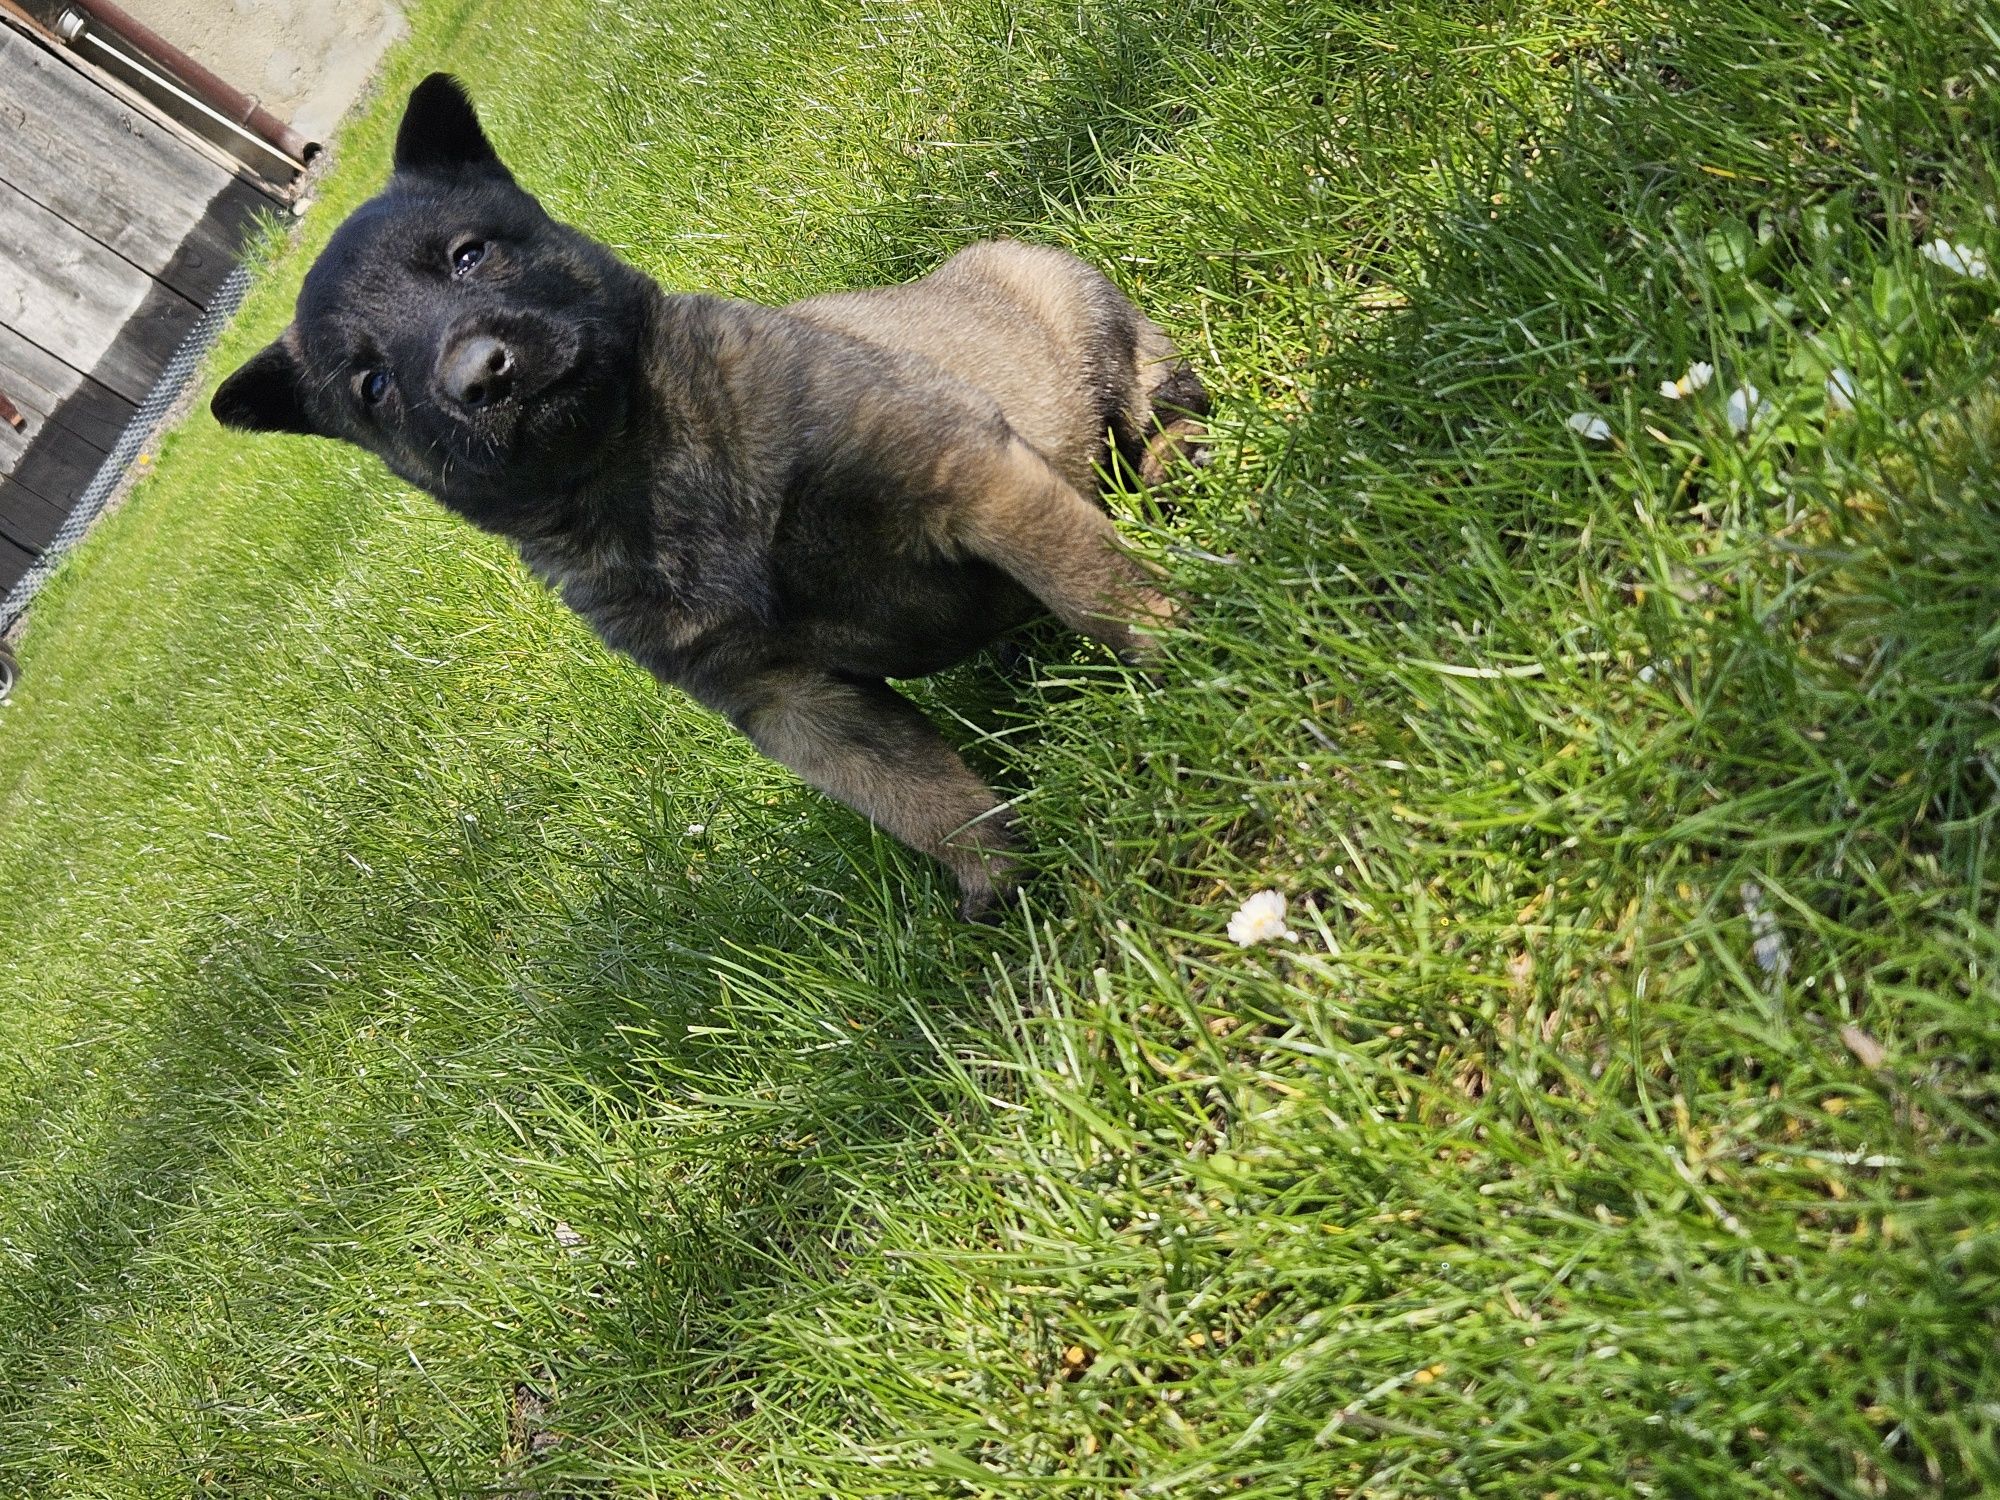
pixel 775 509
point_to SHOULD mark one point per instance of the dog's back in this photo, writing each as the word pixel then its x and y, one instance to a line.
pixel 1066 355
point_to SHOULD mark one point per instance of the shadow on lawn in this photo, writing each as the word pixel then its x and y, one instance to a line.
pixel 698 1053
pixel 200 1075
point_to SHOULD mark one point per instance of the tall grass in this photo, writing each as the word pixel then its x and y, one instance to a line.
pixel 436 1061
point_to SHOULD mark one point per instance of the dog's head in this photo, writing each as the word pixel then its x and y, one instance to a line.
pixel 481 349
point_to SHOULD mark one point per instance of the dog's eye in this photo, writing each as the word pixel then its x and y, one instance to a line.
pixel 466 255
pixel 374 386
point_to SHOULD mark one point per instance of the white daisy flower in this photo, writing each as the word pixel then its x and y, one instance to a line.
pixel 1699 374
pixel 1260 919
pixel 1960 259
pixel 1590 426
pixel 1744 407
pixel 1840 390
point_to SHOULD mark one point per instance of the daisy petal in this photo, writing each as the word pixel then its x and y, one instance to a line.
pixel 1962 260
pixel 1743 408
pixel 1260 919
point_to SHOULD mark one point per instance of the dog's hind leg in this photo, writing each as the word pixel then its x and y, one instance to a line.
pixel 1167 408
pixel 1179 434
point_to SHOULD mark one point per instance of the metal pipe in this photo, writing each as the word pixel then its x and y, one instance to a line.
pixel 126 61
pixel 231 103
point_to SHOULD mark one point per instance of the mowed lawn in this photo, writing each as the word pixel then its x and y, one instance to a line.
pixel 435 1061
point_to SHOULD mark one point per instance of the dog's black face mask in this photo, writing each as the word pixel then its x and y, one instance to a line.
pixel 451 327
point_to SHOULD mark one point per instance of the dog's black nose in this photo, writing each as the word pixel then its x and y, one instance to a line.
pixel 477 371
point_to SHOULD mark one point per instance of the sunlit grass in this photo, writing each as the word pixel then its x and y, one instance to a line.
pixel 402 1002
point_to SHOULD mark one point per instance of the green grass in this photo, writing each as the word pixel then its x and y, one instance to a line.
pixel 401 1000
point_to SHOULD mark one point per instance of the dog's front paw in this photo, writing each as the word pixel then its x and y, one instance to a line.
pixel 983 897
pixel 1153 613
pixel 1156 611
pixel 981 904
pixel 983 863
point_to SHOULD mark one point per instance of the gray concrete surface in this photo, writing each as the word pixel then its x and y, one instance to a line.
pixel 305 60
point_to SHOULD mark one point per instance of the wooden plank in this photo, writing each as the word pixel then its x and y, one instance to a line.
pixel 14 561
pixel 55 468
pixel 63 291
pixel 35 376
pixel 217 241
pixel 48 389
pixel 27 519
pixel 95 414
pixel 13 443
pixel 102 166
pixel 157 327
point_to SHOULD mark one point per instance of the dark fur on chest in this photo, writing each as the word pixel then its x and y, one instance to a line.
pixel 775 509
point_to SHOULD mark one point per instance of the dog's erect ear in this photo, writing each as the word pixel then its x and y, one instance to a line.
pixel 263 396
pixel 440 134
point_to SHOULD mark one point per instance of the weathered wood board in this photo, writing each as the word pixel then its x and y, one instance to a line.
pixel 46 389
pixel 115 232
pixel 128 183
pixel 68 294
pixel 14 561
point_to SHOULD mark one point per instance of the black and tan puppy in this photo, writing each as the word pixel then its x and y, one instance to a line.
pixel 774 508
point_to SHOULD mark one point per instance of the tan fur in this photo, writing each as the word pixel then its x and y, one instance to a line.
pixel 870 748
pixel 1026 519
pixel 1015 321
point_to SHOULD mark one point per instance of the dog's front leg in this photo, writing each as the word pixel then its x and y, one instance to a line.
pixel 859 741
pixel 1011 508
